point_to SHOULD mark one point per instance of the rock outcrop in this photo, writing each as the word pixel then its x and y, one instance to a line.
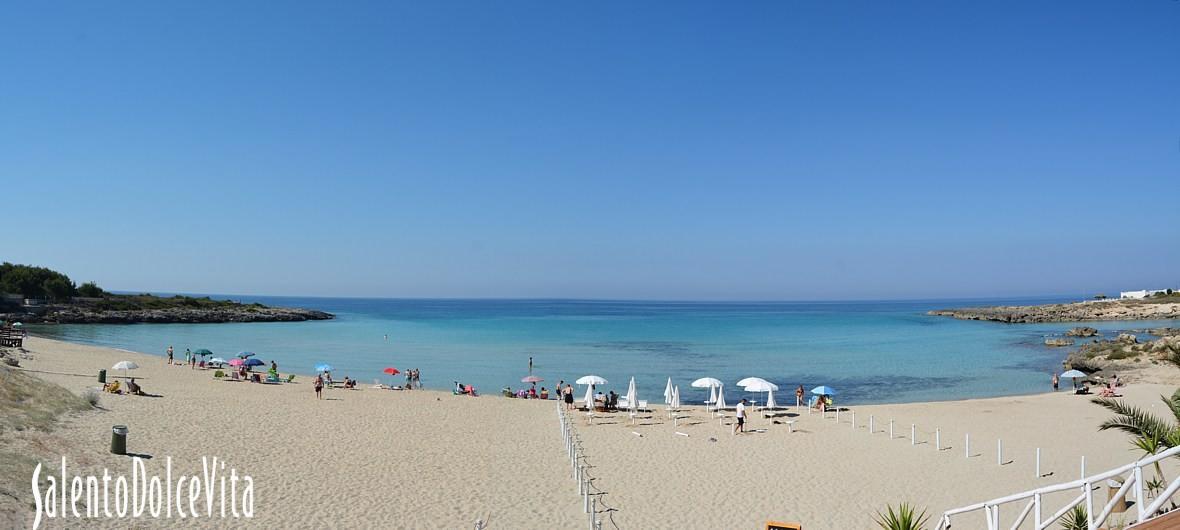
pixel 1057 343
pixel 1080 311
pixel 1082 332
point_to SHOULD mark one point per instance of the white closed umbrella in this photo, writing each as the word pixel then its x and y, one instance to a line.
pixel 668 392
pixel 589 399
pixel 720 397
pixel 676 397
pixel 126 366
pixel 631 395
pixel 770 404
pixel 713 396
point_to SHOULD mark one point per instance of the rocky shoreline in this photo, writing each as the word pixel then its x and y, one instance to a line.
pixel 67 314
pixel 1075 312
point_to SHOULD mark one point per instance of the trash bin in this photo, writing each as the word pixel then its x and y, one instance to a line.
pixel 119 439
pixel 102 376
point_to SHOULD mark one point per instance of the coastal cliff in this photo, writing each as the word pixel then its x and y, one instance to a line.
pixel 1153 309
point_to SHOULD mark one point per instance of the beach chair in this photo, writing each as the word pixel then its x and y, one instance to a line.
pixel 236 377
pixel 218 374
pixel 290 378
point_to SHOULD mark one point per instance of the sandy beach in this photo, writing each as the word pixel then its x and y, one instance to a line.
pixel 427 459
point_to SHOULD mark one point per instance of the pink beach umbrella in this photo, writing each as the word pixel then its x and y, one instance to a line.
pixel 236 362
pixel 531 379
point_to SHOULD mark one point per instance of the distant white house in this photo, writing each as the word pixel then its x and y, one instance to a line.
pixel 1144 293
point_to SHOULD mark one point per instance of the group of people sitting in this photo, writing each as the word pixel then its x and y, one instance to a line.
pixel 133 388
pixel 462 389
pixel 531 393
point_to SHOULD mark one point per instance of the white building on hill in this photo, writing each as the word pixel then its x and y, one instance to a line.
pixel 1144 293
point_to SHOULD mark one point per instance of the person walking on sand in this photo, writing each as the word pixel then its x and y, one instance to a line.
pixel 567 394
pixel 799 396
pixel 1055 381
pixel 319 387
pixel 740 414
pixel 170 355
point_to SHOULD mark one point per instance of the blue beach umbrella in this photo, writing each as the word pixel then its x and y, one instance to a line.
pixel 253 362
pixel 824 391
pixel 323 367
pixel 245 354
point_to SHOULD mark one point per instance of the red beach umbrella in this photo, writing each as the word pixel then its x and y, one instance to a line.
pixel 392 371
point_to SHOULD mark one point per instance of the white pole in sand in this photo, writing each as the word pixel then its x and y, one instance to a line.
pixel 586 498
pixel 913 433
pixel 854 419
pixel 999 452
pixel 1083 467
pixel 871 431
pixel 937 439
pixel 1038 462
pixel 890 429
pixel 593 512
pixel 837 414
pixel 967 446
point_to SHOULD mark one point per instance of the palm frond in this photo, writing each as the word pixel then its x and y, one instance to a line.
pixel 1134 420
pixel 905 517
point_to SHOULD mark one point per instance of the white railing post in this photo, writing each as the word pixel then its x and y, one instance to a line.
pixel 1139 496
pixel 937 439
pixel 1038 462
pixel 854 419
pixel 913 434
pixel 999 452
pixel 1089 504
pixel 890 429
pixel 1037 511
pixel 837 414
pixel 871 424
pixel 1083 476
pixel 967 446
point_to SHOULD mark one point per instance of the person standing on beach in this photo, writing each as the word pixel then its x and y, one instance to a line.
pixel 188 354
pixel 567 394
pixel 319 387
pixel 530 365
pixel 169 354
pixel 799 396
pixel 740 414
pixel 1055 381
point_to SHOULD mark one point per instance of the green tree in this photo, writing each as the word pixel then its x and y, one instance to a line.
pixel 91 290
pixel 58 288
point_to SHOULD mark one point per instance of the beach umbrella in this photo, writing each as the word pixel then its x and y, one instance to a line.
pixel 1074 375
pixel 770 404
pixel 18 325
pixel 245 354
pixel 706 382
pixel 631 397
pixel 759 385
pixel 531 379
pixel 126 366
pixel 676 397
pixel 323 367
pixel 750 381
pixel 712 396
pixel 202 352
pixel 392 371
pixel 588 400
pixel 217 360
pixel 590 380
pixel 720 404
pixel 668 392
pixel 253 362
pixel 236 362
pixel 824 391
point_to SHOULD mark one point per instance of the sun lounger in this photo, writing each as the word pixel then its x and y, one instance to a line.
pixel 290 378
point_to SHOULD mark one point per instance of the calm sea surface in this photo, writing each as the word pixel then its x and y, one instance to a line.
pixel 871 352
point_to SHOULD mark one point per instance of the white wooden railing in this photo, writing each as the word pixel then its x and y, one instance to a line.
pixel 1132 483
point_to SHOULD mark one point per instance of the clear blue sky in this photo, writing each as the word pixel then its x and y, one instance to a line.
pixel 669 150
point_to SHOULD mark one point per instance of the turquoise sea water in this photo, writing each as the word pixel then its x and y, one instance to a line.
pixel 869 351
